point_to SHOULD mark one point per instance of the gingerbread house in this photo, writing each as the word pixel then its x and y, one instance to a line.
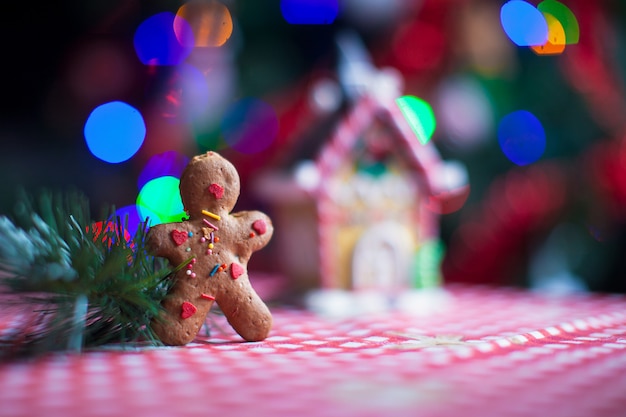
pixel 361 211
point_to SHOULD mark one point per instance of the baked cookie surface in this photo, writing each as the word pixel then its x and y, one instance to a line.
pixel 215 246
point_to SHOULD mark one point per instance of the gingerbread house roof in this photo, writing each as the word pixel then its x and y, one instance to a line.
pixel 424 158
pixel 329 141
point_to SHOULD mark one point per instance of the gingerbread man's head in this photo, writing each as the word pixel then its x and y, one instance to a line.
pixel 209 182
pixel 212 248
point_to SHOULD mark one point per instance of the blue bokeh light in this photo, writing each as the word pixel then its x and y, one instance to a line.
pixel 521 137
pixel 309 12
pixel 249 125
pixel 157 43
pixel 170 163
pixel 114 131
pixel 129 218
pixel 523 23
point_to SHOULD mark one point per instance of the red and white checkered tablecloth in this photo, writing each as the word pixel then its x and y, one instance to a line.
pixel 489 352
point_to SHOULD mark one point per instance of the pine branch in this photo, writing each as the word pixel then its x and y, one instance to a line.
pixel 85 283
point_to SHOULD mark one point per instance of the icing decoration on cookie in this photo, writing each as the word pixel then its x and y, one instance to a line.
pixel 207 297
pixel 217 190
pixel 259 226
pixel 190 268
pixel 211 225
pixel 188 310
pixel 211 215
pixel 179 237
pixel 235 270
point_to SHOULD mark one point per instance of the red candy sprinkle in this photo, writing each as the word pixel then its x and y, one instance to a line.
pixel 188 310
pixel 236 270
pixel 207 297
pixel 217 190
pixel 179 237
pixel 259 226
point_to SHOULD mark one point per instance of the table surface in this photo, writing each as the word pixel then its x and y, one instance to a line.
pixel 487 351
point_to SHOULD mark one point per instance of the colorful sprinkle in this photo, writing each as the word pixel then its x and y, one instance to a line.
pixel 179 237
pixel 211 225
pixel 211 215
pixel 207 297
pixel 216 240
pixel 188 310
pixel 236 270
pixel 203 239
pixel 214 270
pixel 190 234
pixel 211 246
pixel 217 190
pixel 252 234
pixel 259 226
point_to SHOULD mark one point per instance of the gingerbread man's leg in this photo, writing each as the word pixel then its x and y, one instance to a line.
pixel 185 311
pixel 245 311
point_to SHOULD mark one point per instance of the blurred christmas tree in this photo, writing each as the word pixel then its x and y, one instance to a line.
pixel 555 223
pixel 559 217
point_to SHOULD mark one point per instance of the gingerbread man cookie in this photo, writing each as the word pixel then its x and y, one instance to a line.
pixel 216 246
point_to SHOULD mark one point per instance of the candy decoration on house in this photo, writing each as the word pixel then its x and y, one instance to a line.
pixel 215 245
pixel 361 213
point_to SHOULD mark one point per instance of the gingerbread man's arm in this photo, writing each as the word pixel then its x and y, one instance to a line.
pixel 159 242
pixel 257 228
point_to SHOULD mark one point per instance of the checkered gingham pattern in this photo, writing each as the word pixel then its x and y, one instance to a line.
pixel 487 352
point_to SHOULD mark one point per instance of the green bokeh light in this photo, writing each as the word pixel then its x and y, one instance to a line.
pixel 419 115
pixel 427 264
pixel 159 200
pixel 565 16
